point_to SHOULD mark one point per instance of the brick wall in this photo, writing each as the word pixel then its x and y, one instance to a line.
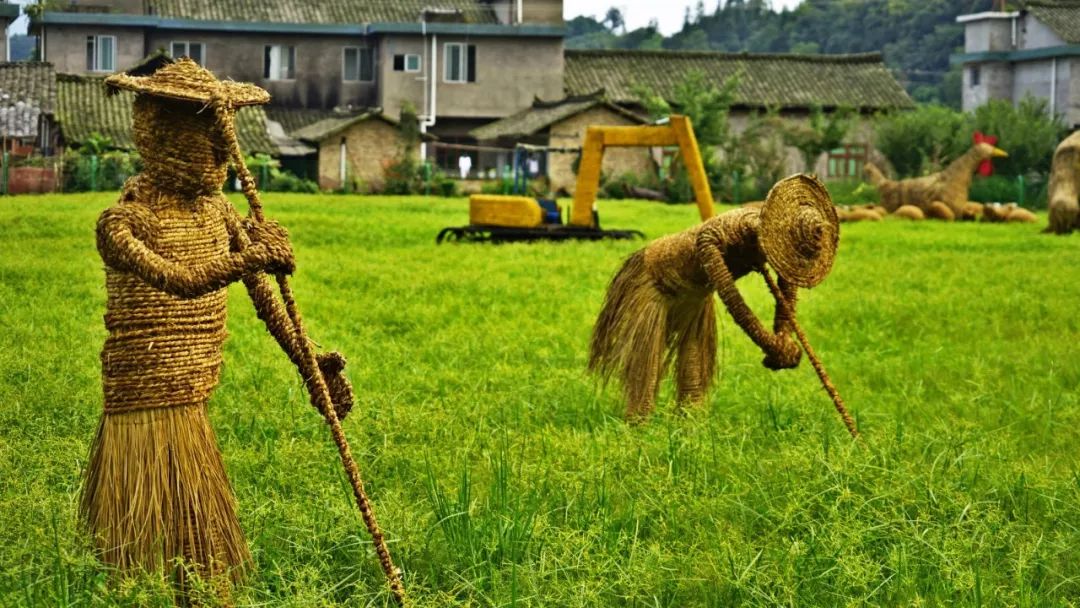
pixel 369 146
pixel 571 132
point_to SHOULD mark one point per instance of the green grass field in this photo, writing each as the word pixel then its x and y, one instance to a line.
pixel 504 477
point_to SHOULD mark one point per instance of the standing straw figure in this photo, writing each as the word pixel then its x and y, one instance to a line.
pixel 156 496
pixel 659 307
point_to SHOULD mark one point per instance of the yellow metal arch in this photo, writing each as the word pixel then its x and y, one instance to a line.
pixel 678 132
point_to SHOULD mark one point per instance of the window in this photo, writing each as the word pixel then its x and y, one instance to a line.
pixel 459 63
pixel 847 161
pixel 195 50
pixel 407 63
pixel 974 75
pixel 279 62
pixel 358 64
pixel 101 53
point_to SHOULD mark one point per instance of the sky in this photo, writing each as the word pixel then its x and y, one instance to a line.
pixel 637 13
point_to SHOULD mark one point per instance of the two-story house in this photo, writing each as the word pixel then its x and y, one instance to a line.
pixel 458 63
pixel 1033 51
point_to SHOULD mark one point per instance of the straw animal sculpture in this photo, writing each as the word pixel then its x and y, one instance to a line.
pixel 659 307
pixel 1064 188
pixel 949 186
pixel 156 493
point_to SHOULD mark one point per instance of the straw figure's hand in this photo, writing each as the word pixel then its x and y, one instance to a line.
pixel 785 354
pixel 332 366
pixel 712 261
pixel 276 255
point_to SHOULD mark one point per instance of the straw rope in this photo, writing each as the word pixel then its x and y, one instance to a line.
pixel 307 360
pixel 826 382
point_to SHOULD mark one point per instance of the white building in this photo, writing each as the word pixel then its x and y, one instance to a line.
pixel 1034 51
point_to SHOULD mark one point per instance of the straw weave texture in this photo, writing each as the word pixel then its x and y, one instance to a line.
pixel 659 308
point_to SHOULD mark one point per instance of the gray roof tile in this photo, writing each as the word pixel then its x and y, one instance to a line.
pixel 787 81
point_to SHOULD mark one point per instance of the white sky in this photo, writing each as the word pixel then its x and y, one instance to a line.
pixel 637 13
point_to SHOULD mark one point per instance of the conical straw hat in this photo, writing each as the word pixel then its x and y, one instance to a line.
pixel 799 230
pixel 186 80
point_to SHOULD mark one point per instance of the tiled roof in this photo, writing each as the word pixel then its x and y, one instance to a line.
pixel 293 119
pixel 326 127
pixel 1061 16
pixel 541 116
pixel 787 81
pixel 31 81
pixel 324 11
pixel 27 90
pixel 83 108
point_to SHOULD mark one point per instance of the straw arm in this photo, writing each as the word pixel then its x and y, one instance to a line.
pixel 724 283
pixel 122 250
pixel 785 309
pixel 272 313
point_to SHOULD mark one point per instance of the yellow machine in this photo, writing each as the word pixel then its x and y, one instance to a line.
pixel 517 218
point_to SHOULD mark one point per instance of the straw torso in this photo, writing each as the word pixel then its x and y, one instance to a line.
pixel 674 263
pixel 163 350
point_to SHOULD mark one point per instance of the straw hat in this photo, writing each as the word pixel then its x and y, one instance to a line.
pixel 186 80
pixel 799 230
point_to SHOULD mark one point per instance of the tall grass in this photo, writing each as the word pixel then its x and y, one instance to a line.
pixel 504 477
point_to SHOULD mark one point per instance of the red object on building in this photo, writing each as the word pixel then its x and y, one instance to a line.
pixel 986 168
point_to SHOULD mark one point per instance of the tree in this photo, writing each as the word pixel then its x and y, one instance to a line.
pixel 821 133
pixel 614 20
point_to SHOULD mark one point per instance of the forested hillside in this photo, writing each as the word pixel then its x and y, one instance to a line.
pixel 916 36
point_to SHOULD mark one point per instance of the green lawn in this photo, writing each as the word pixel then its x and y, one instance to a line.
pixel 503 476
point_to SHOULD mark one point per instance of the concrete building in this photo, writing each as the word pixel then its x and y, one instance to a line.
pixel 1034 51
pixel 458 63
pixel 9 12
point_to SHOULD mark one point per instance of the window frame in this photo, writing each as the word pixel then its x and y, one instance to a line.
pixel 359 64
pixel 405 57
pixel 849 158
pixel 266 65
pixel 466 60
pixel 94 57
pixel 976 76
pixel 187 50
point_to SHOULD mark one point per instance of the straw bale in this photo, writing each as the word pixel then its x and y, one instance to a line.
pixel 1021 216
pixel 940 211
pixel 909 212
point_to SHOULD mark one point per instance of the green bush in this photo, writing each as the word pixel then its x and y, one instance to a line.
pixel 928 138
pixel 85 172
pixel 1004 189
pixel 1027 132
pixel 270 177
pixel 923 140
pixel 443 185
pixel 497 186
pixel 402 176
